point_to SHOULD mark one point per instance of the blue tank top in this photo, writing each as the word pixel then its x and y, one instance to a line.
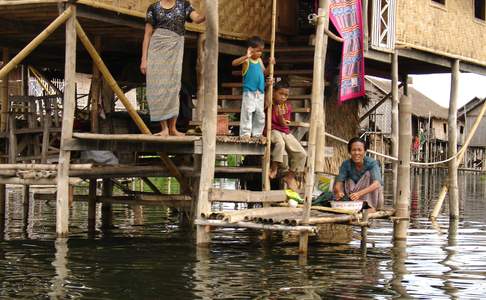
pixel 253 78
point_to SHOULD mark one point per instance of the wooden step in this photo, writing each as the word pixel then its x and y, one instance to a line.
pixel 136 138
pixel 238 110
pixel 295 60
pixel 283 72
pixel 238 97
pixel 237 124
pixel 291 49
pixel 236 85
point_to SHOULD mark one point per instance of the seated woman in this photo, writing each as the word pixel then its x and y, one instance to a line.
pixel 360 177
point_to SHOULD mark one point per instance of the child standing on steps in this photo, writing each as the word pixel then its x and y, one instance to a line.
pixel 284 141
pixel 252 118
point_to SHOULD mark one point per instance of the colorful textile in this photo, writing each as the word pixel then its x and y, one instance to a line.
pixel 164 71
pixel 346 15
pixel 275 117
pixel 374 199
pixel 253 77
pixel 173 19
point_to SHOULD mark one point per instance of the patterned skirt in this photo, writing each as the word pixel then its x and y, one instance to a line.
pixel 164 71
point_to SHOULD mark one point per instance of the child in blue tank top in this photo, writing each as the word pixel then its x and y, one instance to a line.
pixel 252 118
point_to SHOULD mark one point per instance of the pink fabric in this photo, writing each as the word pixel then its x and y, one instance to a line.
pixel 346 15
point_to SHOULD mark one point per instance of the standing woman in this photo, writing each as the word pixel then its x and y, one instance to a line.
pixel 162 52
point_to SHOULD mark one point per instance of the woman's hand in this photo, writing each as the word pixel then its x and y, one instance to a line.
pixel 339 195
pixel 143 67
pixel 355 196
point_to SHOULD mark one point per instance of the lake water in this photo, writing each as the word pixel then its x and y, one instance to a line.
pixel 149 256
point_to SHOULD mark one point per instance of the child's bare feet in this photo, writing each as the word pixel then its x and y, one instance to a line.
pixel 174 132
pixel 162 133
pixel 291 182
pixel 273 173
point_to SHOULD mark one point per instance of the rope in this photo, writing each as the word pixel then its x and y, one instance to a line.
pixel 396 159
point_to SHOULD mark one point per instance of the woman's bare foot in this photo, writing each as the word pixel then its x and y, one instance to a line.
pixel 163 133
pixel 174 132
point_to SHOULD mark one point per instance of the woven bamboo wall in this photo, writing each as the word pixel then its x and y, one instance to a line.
pixel 450 29
pixel 239 19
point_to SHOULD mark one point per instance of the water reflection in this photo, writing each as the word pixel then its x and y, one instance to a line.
pixel 58 290
pixel 148 255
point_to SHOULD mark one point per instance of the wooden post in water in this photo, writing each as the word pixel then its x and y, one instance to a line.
pixel 395 123
pixel 92 205
pixel 321 118
pixel 62 198
pixel 106 208
pixel 452 138
pixel 200 76
pixel 210 115
pixel 3 128
pixel 402 213
pixel 317 102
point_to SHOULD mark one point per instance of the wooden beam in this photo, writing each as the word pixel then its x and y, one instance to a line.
pixel 452 139
pixel 402 203
pixel 210 114
pixel 137 138
pixel 151 185
pixel 112 19
pixel 395 121
pixel 62 202
pixel 244 196
pixel 4 92
pixel 317 108
pixel 377 105
pixel 36 41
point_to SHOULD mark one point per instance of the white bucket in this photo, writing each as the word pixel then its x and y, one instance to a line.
pixel 348 205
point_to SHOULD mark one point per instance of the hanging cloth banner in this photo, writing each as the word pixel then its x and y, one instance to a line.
pixel 346 16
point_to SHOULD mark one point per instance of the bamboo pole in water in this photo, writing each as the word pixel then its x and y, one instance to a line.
pixel 63 190
pixel 452 139
pixel 402 204
pixel 269 101
pixel 3 128
pixel 36 41
pixel 317 102
pixel 395 123
pixel 210 116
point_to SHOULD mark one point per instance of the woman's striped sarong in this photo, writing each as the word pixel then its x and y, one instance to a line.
pixel 164 71
pixel 374 199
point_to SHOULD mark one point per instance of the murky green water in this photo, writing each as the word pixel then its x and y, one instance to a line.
pixel 148 256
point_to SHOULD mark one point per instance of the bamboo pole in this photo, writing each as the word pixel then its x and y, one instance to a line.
pixel 273 227
pixel 48 167
pixel 402 204
pixel 472 132
pixel 395 122
pixel 92 205
pixel 452 139
pixel 200 76
pixel 62 203
pixel 210 115
pixel 95 90
pixel 126 103
pixel 317 102
pixel 36 41
pixel 4 92
pixel 269 101
pixel 321 116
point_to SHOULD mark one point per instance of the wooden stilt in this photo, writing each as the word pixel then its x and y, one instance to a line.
pixel 92 205
pixel 36 41
pixel 106 208
pixel 395 123
pixel 25 204
pixel 364 232
pixel 110 80
pixel 402 204
pixel 452 138
pixel 62 203
pixel 3 128
pixel 200 76
pixel 95 91
pixel 317 107
pixel 4 92
pixel 210 114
